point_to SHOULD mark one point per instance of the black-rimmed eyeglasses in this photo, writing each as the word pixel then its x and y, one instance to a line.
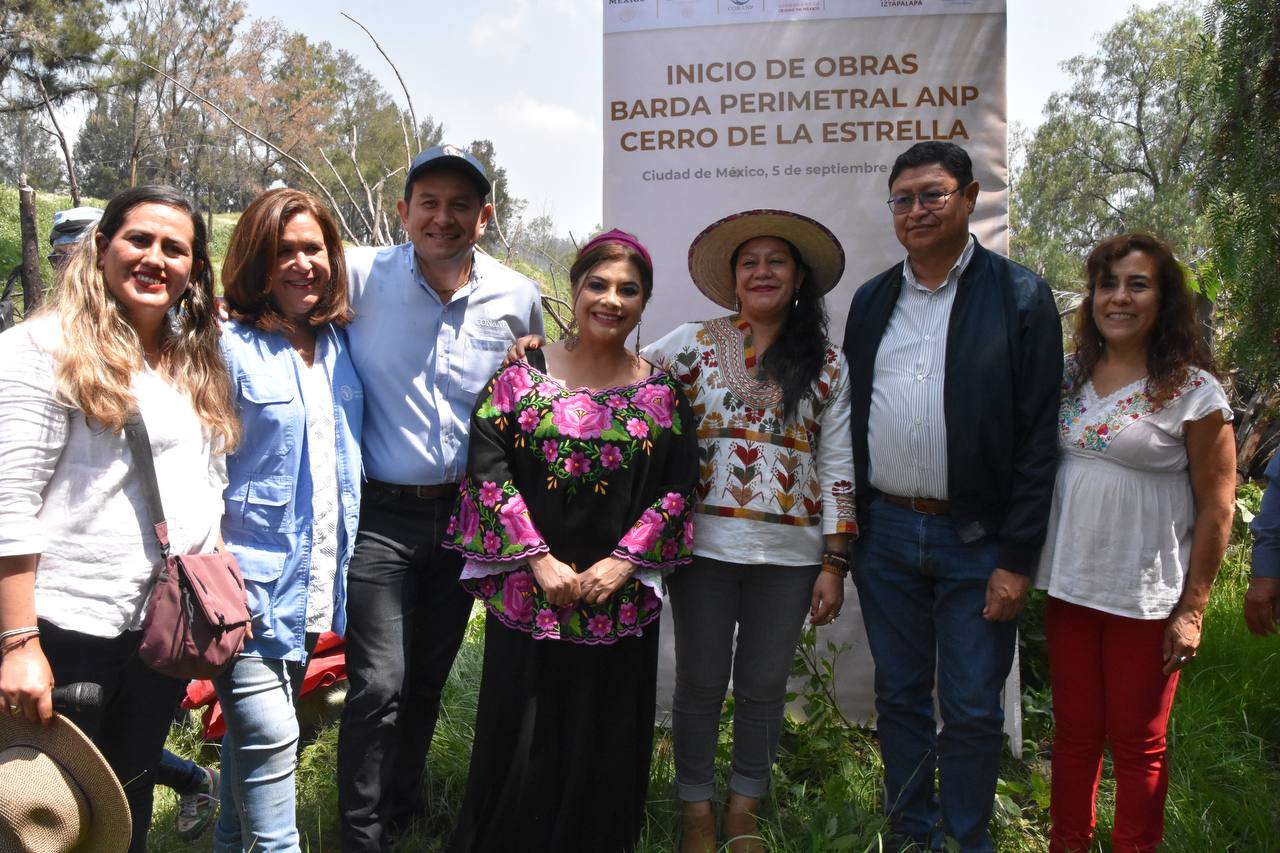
pixel 930 200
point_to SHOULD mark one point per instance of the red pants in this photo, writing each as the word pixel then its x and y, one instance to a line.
pixel 1107 688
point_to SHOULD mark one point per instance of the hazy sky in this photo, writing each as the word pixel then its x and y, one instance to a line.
pixel 527 75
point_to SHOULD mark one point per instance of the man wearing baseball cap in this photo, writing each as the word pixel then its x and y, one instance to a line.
pixel 433 319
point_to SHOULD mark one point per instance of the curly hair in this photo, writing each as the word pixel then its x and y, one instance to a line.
pixel 251 255
pixel 794 360
pixel 101 348
pixel 1176 343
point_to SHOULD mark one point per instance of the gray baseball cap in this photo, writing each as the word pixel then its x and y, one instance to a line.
pixel 70 225
pixel 449 157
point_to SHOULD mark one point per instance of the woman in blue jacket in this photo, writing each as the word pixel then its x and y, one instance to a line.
pixel 293 493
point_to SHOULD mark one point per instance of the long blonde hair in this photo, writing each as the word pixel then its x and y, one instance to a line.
pixel 101 350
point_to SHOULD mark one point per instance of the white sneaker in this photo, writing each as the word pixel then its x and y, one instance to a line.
pixel 197 811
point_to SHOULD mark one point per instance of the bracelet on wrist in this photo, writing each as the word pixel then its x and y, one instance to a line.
pixel 15 632
pixel 15 643
pixel 836 563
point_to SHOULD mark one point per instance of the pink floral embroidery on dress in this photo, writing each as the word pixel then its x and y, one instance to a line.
pixel 580 416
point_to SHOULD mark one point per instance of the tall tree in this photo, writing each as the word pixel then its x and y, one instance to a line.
pixel 1242 180
pixel 58 42
pixel 26 148
pixel 1120 149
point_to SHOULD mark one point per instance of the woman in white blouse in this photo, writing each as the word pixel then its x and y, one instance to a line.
pixel 774 509
pixel 1142 511
pixel 129 325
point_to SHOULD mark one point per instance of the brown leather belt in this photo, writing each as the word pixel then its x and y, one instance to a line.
pixel 924 506
pixel 426 493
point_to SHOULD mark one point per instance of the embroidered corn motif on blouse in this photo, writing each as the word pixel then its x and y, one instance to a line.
pixel 584 475
pixel 768 489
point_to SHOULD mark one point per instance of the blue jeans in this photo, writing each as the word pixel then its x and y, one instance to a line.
pixel 183 776
pixel 922 592
pixel 259 756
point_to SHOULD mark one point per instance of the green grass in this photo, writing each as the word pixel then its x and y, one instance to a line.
pixel 1225 746
pixel 1225 733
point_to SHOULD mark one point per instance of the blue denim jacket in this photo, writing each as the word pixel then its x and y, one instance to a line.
pixel 266 521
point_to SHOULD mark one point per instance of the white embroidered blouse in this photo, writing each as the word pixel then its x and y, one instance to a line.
pixel 1119 536
pixel 768 489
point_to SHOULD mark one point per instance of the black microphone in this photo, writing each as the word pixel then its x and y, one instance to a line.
pixel 78 696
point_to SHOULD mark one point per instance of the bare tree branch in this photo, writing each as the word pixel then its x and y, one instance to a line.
pixel 549 303
pixel 343 184
pixel 333 204
pixel 62 140
pixel 412 115
pixel 497 226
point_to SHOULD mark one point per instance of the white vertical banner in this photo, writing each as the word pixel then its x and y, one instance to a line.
pixel 717 106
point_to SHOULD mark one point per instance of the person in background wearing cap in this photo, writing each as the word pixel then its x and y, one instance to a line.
pixel 774 511
pixel 956 362
pixel 68 227
pixel 433 318
pixel 577 500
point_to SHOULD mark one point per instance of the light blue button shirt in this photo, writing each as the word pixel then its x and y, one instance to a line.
pixel 423 362
pixel 269 512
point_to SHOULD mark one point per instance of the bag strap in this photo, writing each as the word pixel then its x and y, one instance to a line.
pixel 135 431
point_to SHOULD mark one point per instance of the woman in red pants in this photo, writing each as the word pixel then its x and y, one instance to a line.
pixel 1141 514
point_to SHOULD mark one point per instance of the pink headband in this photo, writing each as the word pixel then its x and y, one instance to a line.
pixel 617 236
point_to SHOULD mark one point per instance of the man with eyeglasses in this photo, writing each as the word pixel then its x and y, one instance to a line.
pixel 955 359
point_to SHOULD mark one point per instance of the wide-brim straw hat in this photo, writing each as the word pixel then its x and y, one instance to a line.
pixel 711 250
pixel 57 792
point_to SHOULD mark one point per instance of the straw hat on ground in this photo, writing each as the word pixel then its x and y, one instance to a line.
pixel 711 250
pixel 57 792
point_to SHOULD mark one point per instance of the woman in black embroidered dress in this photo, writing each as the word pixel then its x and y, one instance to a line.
pixel 577 499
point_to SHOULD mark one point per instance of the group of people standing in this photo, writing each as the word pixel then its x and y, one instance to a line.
pixel 381 439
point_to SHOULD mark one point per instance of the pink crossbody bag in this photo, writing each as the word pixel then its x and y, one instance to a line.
pixel 197 618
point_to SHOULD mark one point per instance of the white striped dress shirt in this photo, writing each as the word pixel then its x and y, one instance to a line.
pixel 907 428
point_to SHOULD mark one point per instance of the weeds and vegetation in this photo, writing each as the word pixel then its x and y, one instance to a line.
pixel 1224 741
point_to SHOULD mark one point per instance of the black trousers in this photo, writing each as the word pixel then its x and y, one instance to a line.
pixel 406 614
pixel 137 709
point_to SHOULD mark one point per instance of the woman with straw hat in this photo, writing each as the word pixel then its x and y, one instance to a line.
pixel 775 499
